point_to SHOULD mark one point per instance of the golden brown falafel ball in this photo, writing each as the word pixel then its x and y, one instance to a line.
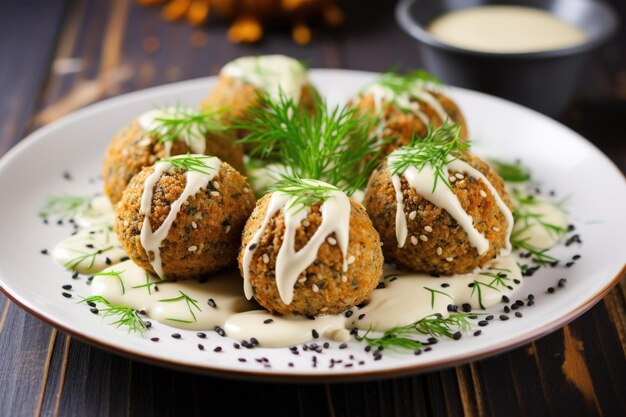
pixel 133 149
pixel 400 125
pixel 436 242
pixel 323 288
pixel 206 234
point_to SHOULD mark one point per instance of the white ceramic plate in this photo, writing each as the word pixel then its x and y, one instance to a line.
pixel 559 159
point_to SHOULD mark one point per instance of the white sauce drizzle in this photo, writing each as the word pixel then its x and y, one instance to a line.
pixel 275 74
pixel 382 94
pixel 290 264
pixel 88 250
pixel 530 229
pixel 193 137
pixel 151 240
pixel 423 182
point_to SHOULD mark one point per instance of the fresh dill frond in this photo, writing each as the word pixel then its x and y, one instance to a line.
pixel 180 123
pixel 404 337
pixel 500 279
pixel 126 316
pixel 64 206
pixel 539 256
pixel 401 84
pixel 477 288
pixel 432 295
pixel 440 147
pixel 89 257
pixel 304 193
pixel 333 145
pixel 189 162
pixel 116 274
pixel 190 302
pixel 510 172
pixel 148 285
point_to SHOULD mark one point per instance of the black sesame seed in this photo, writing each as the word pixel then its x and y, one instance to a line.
pixel 348 313
pixel 505 299
pixel 253 341
pixel 67 287
pixel 361 316
pixel 91 304
pixel 477 332
pixel 211 303
pixel 530 303
pixel 504 317
pixel 201 335
pixel 66 294
pixel 217 349
pixel 176 335
pixel 44 251
pixel 60 222
pixel 453 308
pixel 519 302
pixel 518 314
pixel 507 309
pixel 155 339
pixel 94 310
pixel 445 285
pixel 368 348
pixel 124 259
pixel 432 340
pixel 89 246
pixel 562 282
pixel 514 306
pixel 471 285
pixel 219 331
pixel 457 336
pixel 147 323
pixel 483 323
pixel 252 247
pixel 569 264
pixel 550 290
pixel 315 334
pixel 576 257
pixel 466 308
pixel 201 347
pixel 517 281
pixel 326 345
pixel 75 275
pixel 343 346
pixel 427 349
pixel 107 261
pixel 571 227
pixel 417 352
pixel 290 364
pixel 242 360
pixel 268 321
pixel 489 317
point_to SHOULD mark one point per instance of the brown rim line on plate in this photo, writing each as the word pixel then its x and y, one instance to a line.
pixel 334 377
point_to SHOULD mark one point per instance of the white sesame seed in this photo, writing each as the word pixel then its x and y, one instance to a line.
pixel 305 223
pixel 439 251
pixel 483 193
pixel 302 280
pixel 315 288
pixel 246 189
pixel 412 215
pixel 452 178
pixel 331 241
pixel 215 193
pixel 266 258
pixel 424 238
pixel 194 225
pixel 351 260
pixel 459 175
pixel 192 248
pixel 216 185
pixel 496 229
pixel 324 309
pixel 126 223
pixel 414 240
pixel 428 229
pixel 344 278
pixel 449 259
pixel 227 229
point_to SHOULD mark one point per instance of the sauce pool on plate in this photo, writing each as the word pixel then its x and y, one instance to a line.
pixel 505 29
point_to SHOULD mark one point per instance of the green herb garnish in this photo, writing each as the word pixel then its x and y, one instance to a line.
pixel 65 206
pixel 116 274
pixel 181 123
pixel 126 316
pixel 333 145
pixel 510 172
pixel 190 162
pixel 85 257
pixel 191 304
pixel 304 193
pixel 405 84
pixel 432 295
pixel 440 147
pixel 434 325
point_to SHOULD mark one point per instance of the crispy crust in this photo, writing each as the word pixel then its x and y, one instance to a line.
pixel 380 202
pixel 133 149
pixel 334 295
pixel 218 222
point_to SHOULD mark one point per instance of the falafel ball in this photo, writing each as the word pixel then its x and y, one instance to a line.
pixel 410 115
pixel 134 148
pixel 324 287
pixel 206 232
pixel 436 243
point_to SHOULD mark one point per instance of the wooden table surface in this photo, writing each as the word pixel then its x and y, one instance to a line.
pixel 58 55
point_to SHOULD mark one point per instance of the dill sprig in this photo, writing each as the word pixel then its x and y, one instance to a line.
pixel 477 288
pixel 64 206
pixel 149 284
pixel 524 214
pixel 433 292
pixel 404 84
pixel 539 256
pixel 510 172
pixel 333 145
pixel 191 305
pixel 304 193
pixel 404 337
pixel 126 316
pixel 180 122
pixel 500 279
pixel 440 147
pixel 189 162
pixel 116 274
pixel 85 257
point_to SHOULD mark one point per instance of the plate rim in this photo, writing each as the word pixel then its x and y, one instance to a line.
pixel 279 376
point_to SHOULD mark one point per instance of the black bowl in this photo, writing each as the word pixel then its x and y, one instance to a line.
pixel 544 81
